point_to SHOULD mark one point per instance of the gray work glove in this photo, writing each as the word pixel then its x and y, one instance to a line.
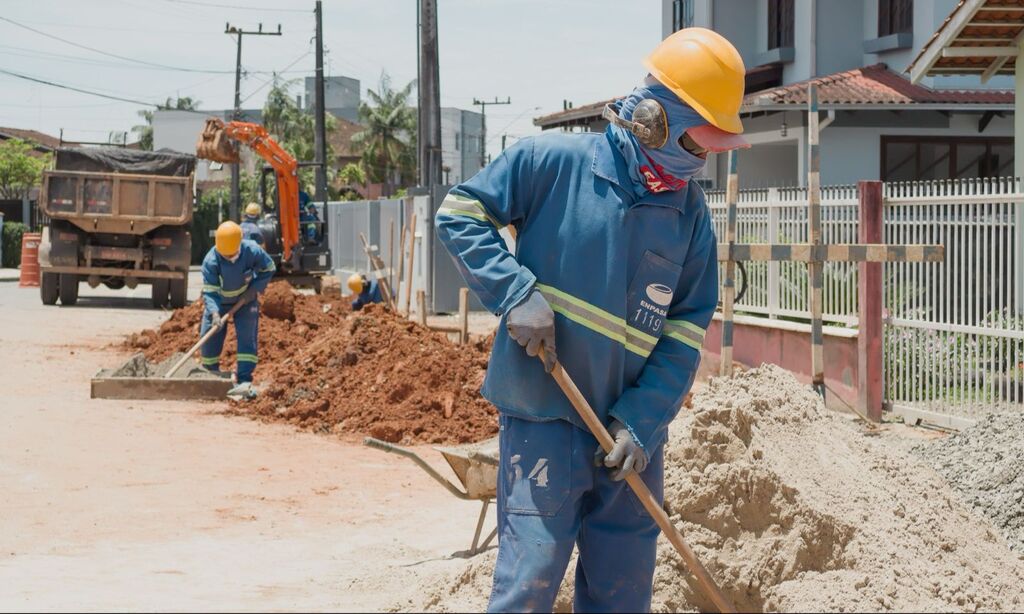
pixel 249 295
pixel 626 456
pixel 532 324
pixel 216 320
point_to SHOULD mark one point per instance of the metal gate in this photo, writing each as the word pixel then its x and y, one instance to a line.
pixel 954 331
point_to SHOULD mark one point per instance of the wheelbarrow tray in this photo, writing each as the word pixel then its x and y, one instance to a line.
pixel 142 380
pixel 476 466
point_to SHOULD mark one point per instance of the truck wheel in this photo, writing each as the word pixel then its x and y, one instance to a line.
pixel 49 288
pixel 160 289
pixel 179 292
pixel 68 289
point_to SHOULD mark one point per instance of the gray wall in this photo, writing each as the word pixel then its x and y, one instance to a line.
pixel 840 44
pixel 460 143
pixel 341 96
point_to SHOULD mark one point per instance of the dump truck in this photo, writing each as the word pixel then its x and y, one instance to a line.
pixel 118 217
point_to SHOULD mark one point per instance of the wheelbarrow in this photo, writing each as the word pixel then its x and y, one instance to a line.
pixel 476 466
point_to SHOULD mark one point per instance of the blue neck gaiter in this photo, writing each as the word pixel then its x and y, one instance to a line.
pixel 669 167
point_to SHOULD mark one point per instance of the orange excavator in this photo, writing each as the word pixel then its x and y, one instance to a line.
pixel 296 257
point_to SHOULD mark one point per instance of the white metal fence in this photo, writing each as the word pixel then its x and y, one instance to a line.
pixel 954 333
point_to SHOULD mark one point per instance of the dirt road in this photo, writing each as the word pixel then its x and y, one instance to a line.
pixel 133 505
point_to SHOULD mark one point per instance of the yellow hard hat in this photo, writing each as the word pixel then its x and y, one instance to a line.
pixel 252 209
pixel 355 283
pixel 705 71
pixel 229 238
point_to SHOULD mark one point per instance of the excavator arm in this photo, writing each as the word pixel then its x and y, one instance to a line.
pixel 217 143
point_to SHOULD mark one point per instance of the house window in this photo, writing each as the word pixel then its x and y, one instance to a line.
pixel 457 139
pixel 931 158
pixel 780 24
pixel 682 14
pixel 895 16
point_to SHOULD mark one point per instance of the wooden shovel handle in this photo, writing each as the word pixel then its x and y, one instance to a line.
pixel 586 412
pixel 213 330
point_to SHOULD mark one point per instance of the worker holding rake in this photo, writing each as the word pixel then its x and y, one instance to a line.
pixel 615 277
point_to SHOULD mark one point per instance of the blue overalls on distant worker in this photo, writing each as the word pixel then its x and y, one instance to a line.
pixel 370 294
pixel 633 283
pixel 223 283
pixel 251 231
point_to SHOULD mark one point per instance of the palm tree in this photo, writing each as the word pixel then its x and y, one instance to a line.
pixel 145 131
pixel 387 141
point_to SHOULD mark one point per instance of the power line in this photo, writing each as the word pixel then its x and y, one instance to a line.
pixel 77 89
pixel 237 7
pixel 113 55
pixel 279 72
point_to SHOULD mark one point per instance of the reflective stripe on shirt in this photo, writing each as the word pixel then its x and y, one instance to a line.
pixel 685 331
pixel 460 205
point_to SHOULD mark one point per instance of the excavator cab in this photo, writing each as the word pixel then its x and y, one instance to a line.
pixel 298 258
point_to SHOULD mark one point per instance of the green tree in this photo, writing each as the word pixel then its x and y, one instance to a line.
pixel 352 174
pixel 19 170
pixel 388 139
pixel 295 129
pixel 145 131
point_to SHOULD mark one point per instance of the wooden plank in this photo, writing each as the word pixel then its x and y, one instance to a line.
pixel 464 315
pixel 729 285
pixel 844 252
pixel 814 234
pixel 158 388
pixel 378 271
pixel 412 255
pixel 421 307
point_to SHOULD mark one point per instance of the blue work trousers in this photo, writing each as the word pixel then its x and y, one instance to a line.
pixel 551 496
pixel 247 324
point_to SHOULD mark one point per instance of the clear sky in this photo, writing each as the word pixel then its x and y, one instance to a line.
pixel 538 52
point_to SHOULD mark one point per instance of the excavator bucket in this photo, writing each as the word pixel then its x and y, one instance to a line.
pixel 214 144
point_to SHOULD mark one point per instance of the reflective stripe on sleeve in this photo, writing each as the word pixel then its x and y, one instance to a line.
pixel 460 205
pixel 685 332
pixel 210 288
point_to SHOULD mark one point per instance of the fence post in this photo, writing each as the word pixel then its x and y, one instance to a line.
pixel 870 301
pixel 773 237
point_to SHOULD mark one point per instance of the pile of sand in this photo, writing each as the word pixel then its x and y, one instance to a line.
pixel 985 465
pixel 794 509
pixel 327 369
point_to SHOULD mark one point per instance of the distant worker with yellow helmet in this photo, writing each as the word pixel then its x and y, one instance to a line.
pixel 615 276
pixel 366 291
pixel 250 224
pixel 234 270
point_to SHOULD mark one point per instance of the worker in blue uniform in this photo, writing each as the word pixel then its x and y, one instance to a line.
pixel 366 291
pixel 250 224
pixel 309 221
pixel 234 270
pixel 615 277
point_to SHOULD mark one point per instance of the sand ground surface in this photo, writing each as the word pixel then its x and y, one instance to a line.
pixel 154 505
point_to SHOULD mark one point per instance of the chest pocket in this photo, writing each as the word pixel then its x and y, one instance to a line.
pixel 650 294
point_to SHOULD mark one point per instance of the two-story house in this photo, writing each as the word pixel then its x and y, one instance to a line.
pixel 876 123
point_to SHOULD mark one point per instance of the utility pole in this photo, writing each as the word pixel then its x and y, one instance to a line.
pixel 483 124
pixel 237 113
pixel 320 139
pixel 429 97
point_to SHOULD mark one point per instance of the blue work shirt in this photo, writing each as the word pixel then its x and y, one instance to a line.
pixel 370 294
pixel 633 280
pixel 224 281
pixel 251 231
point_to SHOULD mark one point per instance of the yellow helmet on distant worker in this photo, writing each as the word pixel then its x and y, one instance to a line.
pixel 355 283
pixel 253 209
pixel 228 239
pixel 705 71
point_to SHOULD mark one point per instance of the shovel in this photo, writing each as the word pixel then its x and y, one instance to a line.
pixel 213 330
pixel 704 580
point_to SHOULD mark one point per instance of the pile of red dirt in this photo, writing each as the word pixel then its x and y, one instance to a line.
pixel 333 370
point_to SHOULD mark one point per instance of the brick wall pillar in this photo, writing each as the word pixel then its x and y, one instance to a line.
pixel 869 282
